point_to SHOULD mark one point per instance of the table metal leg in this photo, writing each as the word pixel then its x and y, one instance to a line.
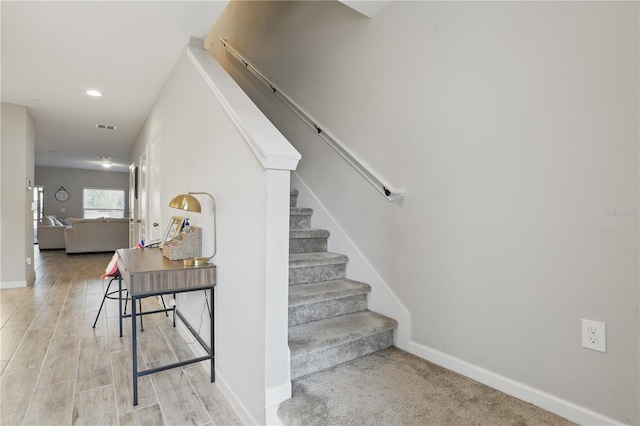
pixel 141 320
pixel 134 351
pixel 120 301
pixel 213 342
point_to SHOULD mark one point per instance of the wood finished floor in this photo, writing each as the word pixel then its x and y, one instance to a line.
pixel 57 370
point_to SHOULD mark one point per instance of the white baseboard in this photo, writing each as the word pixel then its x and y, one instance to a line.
pixel 273 397
pixel 220 382
pixel 234 401
pixel 547 401
pixel 272 418
pixel 12 284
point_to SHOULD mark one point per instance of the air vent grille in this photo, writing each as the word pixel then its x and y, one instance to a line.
pixel 106 126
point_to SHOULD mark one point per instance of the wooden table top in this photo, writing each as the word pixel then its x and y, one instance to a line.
pixel 147 271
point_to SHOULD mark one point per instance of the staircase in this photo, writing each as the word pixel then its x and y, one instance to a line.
pixel 329 322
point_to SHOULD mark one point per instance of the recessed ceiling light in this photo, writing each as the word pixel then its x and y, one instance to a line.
pixel 93 92
pixel 106 162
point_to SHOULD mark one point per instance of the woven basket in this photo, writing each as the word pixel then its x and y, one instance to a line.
pixel 184 246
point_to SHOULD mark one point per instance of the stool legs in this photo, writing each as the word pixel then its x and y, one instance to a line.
pixel 106 293
pixel 126 300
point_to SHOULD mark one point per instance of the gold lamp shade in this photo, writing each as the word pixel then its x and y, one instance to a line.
pixel 186 202
pixel 190 203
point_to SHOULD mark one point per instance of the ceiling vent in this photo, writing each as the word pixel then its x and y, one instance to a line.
pixel 106 126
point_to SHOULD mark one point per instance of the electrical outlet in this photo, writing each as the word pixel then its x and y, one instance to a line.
pixel 28 260
pixel 594 335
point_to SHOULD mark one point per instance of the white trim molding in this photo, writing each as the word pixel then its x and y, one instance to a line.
pixel 12 284
pixel 226 390
pixel 542 399
pixel 269 146
pixel 367 8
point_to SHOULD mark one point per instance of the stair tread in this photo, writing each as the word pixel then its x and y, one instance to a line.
pixel 301 210
pixel 308 233
pixel 299 260
pixel 312 336
pixel 303 294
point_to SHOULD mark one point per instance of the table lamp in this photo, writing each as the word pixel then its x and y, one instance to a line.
pixel 190 203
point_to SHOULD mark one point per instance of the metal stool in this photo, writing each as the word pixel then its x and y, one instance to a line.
pixel 109 295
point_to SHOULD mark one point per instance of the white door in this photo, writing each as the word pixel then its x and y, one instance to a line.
pixel 154 178
pixel 142 197
pixel 133 195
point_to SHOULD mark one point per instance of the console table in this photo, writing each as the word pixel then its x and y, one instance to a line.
pixel 145 272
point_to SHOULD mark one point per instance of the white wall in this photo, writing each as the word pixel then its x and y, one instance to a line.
pixel 215 140
pixel 16 221
pixel 513 126
pixel 74 180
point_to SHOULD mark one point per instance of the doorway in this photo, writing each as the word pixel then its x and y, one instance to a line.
pixel 37 207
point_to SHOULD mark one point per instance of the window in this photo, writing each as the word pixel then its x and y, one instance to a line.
pixel 97 202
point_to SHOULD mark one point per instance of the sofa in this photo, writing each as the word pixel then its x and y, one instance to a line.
pixel 51 233
pixel 96 235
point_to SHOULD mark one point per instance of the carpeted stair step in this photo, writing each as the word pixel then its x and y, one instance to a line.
pixel 293 197
pixel 312 302
pixel 300 218
pixel 314 267
pixel 308 240
pixel 318 345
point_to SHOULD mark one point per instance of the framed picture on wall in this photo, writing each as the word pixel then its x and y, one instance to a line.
pixel 173 229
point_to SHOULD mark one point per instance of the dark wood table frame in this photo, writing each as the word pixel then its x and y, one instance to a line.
pixel 145 272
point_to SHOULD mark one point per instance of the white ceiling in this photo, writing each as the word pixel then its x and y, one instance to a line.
pixel 53 51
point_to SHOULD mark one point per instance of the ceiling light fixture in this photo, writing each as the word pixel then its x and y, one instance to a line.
pixel 106 162
pixel 93 93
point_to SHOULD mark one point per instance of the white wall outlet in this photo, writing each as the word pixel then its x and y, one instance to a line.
pixel 28 260
pixel 594 335
pixel 63 210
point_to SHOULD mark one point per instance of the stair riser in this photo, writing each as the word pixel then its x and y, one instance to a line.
pixel 312 274
pixel 331 356
pixel 299 221
pixel 307 245
pixel 329 308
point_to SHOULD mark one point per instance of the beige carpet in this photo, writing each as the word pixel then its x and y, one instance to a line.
pixel 393 387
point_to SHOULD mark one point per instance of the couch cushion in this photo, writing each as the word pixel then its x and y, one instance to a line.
pixel 116 219
pixel 86 237
pixel 46 220
pixel 73 220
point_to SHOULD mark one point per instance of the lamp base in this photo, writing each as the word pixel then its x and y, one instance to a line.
pixel 195 261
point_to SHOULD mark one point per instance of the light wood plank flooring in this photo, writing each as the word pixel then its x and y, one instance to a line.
pixel 57 370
